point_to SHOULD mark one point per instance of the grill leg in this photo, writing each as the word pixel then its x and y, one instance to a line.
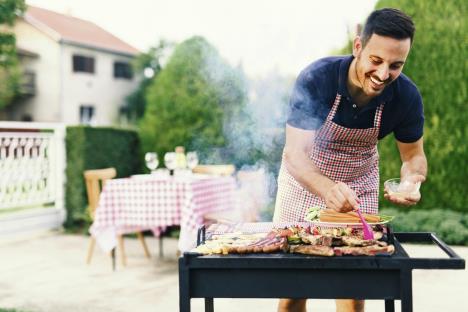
pixel 406 291
pixel 209 307
pixel 389 305
pixel 184 287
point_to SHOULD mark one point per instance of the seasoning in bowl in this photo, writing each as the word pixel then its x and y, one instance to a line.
pixel 401 189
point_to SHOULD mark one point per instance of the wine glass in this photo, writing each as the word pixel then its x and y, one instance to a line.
pixel 170 160
pixel 192 160
pixel 152 161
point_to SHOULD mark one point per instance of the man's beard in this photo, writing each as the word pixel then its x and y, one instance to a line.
pixel 369 87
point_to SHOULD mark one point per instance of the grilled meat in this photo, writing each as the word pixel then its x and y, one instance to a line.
pixel 312 250
pixel 364 251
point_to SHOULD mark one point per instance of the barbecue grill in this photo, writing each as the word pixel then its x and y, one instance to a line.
pixel 281 275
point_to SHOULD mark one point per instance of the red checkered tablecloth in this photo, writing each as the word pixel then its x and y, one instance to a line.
pixel 130 204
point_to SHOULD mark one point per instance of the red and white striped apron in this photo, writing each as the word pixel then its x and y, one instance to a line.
pixel 342 154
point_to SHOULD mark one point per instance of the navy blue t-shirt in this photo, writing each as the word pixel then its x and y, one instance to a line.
pixel 318 84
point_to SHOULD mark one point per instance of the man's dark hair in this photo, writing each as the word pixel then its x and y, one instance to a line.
pixel 388 22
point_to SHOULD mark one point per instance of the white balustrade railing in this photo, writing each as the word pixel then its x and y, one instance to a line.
pixel 32 165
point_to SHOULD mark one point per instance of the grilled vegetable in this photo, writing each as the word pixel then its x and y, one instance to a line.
pixel 294 239
pixel 313 214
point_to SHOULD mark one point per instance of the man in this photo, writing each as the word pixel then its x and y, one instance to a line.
pixel 340 108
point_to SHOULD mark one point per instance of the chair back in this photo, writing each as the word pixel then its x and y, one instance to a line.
pixel 95 180
pixel 222 170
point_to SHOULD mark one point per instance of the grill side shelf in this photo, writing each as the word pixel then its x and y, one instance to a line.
pixel 400 252
pixel 453 262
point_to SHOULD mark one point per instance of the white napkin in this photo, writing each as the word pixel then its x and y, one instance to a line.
pixel 106 239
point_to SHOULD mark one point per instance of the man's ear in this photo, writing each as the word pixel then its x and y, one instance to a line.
pixel 357 46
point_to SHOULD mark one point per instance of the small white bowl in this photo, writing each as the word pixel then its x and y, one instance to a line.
pixel 397 188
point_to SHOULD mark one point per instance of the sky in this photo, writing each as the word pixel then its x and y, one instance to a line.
pixel 260 35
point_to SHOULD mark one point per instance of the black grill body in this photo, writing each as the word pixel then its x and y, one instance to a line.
pixel 281 275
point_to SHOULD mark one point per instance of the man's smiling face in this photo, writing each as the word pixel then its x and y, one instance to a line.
pixel 378 63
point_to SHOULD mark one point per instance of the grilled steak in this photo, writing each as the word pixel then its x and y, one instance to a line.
pixel 312 250
pixel 354 241
pixel 317 240
pixel 364 251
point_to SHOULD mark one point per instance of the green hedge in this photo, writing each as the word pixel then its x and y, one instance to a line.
pixel 96 148
pixel 451 226
pixel 438 65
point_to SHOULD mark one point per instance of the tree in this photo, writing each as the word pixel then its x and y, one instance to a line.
pixel 148 63
pixel 194 101
pixel 9 70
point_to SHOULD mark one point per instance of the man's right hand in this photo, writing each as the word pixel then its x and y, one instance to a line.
pixel 341 198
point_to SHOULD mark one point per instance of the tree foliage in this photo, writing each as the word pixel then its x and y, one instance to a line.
pixel 9 71
pixel 147 61
pixel 196 101
pixel 438 65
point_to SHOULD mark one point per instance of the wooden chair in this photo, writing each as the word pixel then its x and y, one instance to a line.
pixel 222 170
pixel 95 180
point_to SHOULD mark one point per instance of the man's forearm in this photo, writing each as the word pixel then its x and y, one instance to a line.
pixel 416 165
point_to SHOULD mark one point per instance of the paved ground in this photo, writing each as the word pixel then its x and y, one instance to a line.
pixel 48 273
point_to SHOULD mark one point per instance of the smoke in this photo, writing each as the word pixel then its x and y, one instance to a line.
pixel 255 113
pixel 268 106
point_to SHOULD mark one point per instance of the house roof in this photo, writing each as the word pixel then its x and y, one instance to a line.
pixel 75 31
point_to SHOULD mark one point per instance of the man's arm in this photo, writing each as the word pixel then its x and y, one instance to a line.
pixel 413 160
pixel 413 168
pixel 299 143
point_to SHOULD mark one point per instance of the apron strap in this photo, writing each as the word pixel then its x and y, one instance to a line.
pixel 334 108
pixel 378 116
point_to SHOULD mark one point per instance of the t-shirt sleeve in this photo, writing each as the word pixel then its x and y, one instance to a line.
pixel 411 128
pixel 305 103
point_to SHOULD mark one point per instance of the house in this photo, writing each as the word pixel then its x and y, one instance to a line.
pixel 74 71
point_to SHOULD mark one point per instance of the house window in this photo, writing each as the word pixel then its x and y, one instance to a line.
pixel 123 70
pixel 83 64
pixel 86 114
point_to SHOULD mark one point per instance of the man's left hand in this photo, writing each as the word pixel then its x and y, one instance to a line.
pixel 410 199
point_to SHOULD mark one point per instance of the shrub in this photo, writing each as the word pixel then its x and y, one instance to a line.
pixel 450 226
pixel 96 148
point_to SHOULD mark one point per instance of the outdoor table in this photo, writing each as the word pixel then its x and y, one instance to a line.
pixel 283 275
pixel 156 202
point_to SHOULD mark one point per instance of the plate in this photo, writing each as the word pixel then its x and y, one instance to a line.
pixel 338 224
